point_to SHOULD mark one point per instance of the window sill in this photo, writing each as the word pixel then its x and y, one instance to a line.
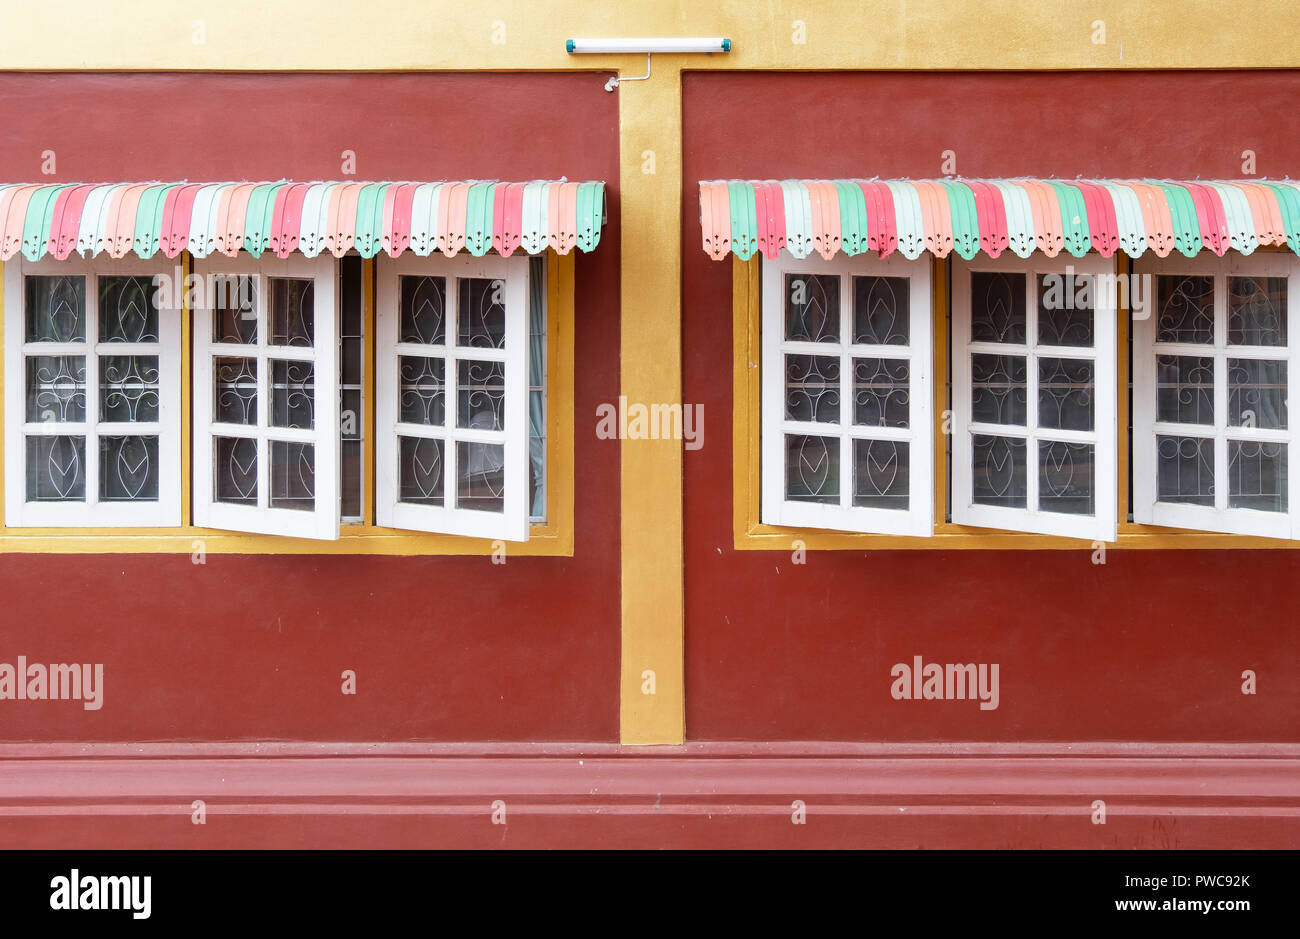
pixel 948 537
pixel 543 541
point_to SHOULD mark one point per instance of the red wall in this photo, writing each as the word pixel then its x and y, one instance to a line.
pixel 253 647
pixel 1150 646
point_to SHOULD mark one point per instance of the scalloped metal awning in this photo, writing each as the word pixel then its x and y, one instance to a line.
pixel 994 215
pixel 282 217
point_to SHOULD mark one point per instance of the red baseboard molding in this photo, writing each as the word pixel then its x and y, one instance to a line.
pixel 972 795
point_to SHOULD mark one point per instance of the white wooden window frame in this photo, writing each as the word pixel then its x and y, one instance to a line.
pixel 1099 527
pixel 91 513
pixel 322 522
pixel 1146 429
pixel 918 519
pixel 511 524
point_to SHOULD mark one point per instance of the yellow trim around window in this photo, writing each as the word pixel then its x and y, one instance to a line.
pixel 751 534
pixel 553 539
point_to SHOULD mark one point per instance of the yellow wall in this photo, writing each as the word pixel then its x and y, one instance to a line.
pixel 517 35
pixel 417 34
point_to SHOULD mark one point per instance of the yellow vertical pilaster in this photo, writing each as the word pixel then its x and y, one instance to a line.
pixel 652 707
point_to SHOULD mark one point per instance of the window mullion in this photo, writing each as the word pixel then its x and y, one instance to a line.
pixel 1221 482
pixel 846 393
pixel 1031 391
pixel 264 480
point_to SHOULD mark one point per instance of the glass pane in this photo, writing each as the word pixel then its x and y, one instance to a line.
pixel 1257 393
pixel 236 390
pixel 1185 389
pixel 421 391
pixel 128 469
pixel 881 310
pixel 293 394
pixel 420 467
pixel 1257 311
pixel 424 304
pixel 1257 475
pixel 235 470
pixel 481 313
pixel 350 474
pixel 56 388
pixel 812 469
pixel 481 395
pixel 881 395
pixel 1065 303
pixel 234 304
pixel 350 416
pixel 1185 470
pixel 998 471
pixel 812 388
pixel 812 308
pixel 56 309
pixel 998 389
pixel 1065 474
pixel 126 310
pixel 56 469
pixel 480 476
pixel 1184 309
pixel 293 476
pixel 293 311
pixel 128 388
pixel 880 474
pixel 1065 392
pixel 997 303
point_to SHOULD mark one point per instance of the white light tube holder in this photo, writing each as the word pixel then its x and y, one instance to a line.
pixel 707 46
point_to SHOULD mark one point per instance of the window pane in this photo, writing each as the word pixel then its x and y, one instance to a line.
pixel 480 471
pixel 881 472
pixel 1185 470
pixel 1065 477
pixel 352 429
pixel 1257 475
pixel 56 309
pixel 812 388
pixel 421 463
pixel 997 307
pixel 56 388
pixel 126 310
pixel 1065 393
pixel 1257 311
pixel 1185 389
pixel 1257 393
pixel 1065 303
pixel 881 395
pixel 293 475
pixel 1184 309
pixel 236 390
pixel 481 395
pixel 812 308
pixel 293 311
pixel 128 388
pixel 56 469
pixel 998 389
pixel 812 469
pixel 235 470
pixel 424 304
pixel 234 304
pixel 999 471
pixel 128 469
pixel 481 313
pixel 293 394
pixel 881 310
pixel 421 390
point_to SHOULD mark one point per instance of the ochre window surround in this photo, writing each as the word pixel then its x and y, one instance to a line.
pixel 751 534
pixel 553 538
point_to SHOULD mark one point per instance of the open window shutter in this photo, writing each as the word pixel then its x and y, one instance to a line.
pixel 1212 361
pixel 452 396
pixel 847 433
pixel 1033 397
pixel 266 397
